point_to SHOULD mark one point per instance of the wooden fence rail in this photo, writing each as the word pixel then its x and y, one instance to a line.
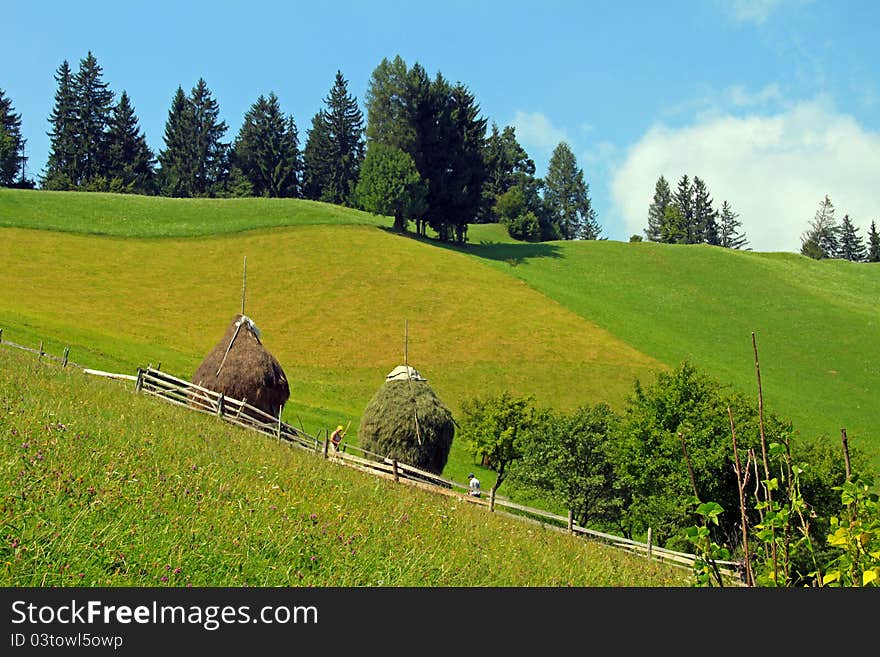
pixel 180 392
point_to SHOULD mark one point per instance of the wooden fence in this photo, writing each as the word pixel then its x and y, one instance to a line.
pixel 174 390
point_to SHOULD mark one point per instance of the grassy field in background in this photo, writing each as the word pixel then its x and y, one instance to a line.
pixel 817 323
pixel 331 288
pixel 334 305
pixel 128 215
pixel 101 487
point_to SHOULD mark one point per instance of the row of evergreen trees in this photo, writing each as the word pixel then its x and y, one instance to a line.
pixel 434 159
pixel 687 216
pixel 826 238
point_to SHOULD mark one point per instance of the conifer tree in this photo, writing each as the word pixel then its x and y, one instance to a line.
pixel 821 240
pixel 62 168
pixel 683 199
pixel 705 226
pixel 657 210
pixel 873 244
pixel 567 195
pixel 93 102
pixel 12 159
pixel 266 149
pixel 851 247
pixel 130 166
pixel 728 228
pixel 507 164
pixel 177 161
pixel 210 151
pixel 334 147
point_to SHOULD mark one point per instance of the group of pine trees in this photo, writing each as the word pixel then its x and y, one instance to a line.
pixel 687 216
pixel 423 154
pixel 826 238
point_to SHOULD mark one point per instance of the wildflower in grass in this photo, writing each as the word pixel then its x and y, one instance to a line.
pixel 177 571
pixel 164 578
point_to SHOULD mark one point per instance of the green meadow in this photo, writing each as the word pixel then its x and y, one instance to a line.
pixel 105 487
pixel 128 281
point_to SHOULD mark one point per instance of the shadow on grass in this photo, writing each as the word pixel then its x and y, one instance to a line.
pixel 512 253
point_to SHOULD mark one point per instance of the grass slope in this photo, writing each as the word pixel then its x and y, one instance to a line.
pixel 578 322
pixel 103 487
pixel 817 323
pixel 332 302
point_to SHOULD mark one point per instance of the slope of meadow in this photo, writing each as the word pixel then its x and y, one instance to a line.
pixel 332 288
pixel 101 487
pixel 817 323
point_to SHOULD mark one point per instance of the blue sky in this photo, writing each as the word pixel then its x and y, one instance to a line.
pixel 774 103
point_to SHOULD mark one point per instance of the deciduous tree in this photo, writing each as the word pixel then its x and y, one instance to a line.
pixel 389 184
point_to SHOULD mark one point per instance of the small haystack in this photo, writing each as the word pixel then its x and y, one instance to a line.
pixel 241 368
pixel 405 420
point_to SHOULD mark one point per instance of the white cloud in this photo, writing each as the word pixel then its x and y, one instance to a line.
pixel 774 170
pixel 536 133
pixel 741 97
pixel 755 11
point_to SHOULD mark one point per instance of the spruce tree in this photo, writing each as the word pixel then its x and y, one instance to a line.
pixel 705 226
pixel 567 195
pixel 266 149
pixel 210 151
pixel 94 103
pixel 12 159
pixel 334 147
pixel 130 160
pixel 62 168
pixel 177 161
pixel 657 210
pixel 851 247
pixel 873 244
pixel 728 228
pixel 683 199
pixel 390 105
pixel 821 237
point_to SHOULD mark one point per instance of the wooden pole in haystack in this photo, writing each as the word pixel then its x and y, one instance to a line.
pixel 409 378
pixel 243 284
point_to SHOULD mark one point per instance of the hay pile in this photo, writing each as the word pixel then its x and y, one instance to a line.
pixel 246 370
pixel 388 425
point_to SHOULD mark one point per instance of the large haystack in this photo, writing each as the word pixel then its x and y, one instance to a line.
pixel 389 424
pixel 241 368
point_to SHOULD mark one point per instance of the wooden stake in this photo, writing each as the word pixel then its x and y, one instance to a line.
pixel 845 453
pixel 649 543
pixel 742 504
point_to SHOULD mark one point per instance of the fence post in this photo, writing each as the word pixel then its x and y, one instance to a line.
pixel 41 351
pixel 1 335
pixel 278 427
pixel 220 405
pixel 492 499
pixel 394 469
pixel 64 357
pixel 326 445
pixel 649 543
pixel 140 380
pixel 570 521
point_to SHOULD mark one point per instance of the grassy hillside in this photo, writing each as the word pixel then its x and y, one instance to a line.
pixel 103 487
pixel 332 302
pixel 817 323
pixel 331 288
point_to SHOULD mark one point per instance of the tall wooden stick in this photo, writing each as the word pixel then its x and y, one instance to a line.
pixel 243 284
pixel 409 378
pixel 845 453
pixel 750 580
pixel 764 453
